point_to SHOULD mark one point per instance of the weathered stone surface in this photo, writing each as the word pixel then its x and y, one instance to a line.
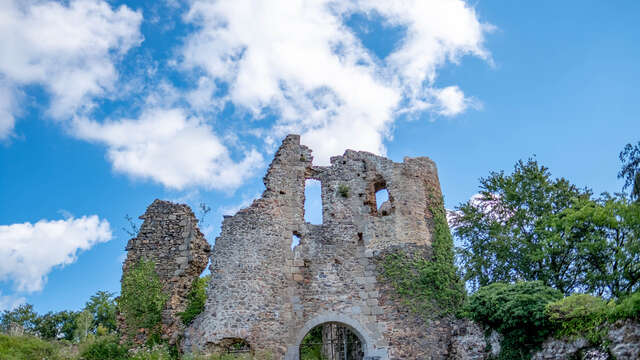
pixel 169 236
pixel 624 344
pixel 468 342
pixel 270 295
pixel 625 340
pixel 560 349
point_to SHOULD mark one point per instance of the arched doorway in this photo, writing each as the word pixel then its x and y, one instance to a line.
pixel 331 341
pixel 367 338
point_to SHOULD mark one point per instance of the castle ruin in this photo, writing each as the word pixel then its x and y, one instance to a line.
pixel 269 295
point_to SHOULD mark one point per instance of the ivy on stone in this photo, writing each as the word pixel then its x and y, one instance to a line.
pixel 428 285
pixel 142 300
pixel 195 300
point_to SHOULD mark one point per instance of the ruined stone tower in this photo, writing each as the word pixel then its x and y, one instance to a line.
pixel 169 236
pixel 270 295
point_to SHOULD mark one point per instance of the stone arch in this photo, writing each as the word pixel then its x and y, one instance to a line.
pixel 366 338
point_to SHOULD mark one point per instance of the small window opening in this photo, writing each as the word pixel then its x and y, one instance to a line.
pixel 313 202
pixel 295 240
pixel 238 346
pixel 381 197
pixel 381 204
pixel 360 240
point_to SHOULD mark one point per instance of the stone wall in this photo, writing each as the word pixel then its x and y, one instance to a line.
pixel 622 342
pixel 270 295
pixel 169 236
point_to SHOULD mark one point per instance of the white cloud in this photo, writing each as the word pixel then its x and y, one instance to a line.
pixel 30 251
pixel 451 101
pixel 10 302
pixel 169 147
pixel 298 58
pixel 70 49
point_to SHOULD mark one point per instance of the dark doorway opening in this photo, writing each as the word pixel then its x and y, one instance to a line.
pixel 331 341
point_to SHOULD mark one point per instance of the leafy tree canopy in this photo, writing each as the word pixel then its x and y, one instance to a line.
pixel 504 230
pixel 528 226
pixel 630 172
pixel 102 306
pixel 23 315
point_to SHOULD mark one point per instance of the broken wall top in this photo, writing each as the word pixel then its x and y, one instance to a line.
pixel 349 187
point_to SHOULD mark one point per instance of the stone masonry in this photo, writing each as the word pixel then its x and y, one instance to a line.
pixel 169 236
pixel 270 295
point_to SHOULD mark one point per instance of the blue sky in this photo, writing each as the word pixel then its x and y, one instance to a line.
pixel 105 106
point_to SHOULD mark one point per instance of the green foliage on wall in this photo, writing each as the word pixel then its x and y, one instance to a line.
pixel 626 308
pixel 195 300
pixel 517 311
pixel 431 286
pixel 142 300
pixel 343 190
pixel 579 315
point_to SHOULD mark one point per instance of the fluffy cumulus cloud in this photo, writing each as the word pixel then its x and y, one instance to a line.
pixel 169 147
pixel 30 251
pixel 300 60
pixel 295 61
pixel 69 48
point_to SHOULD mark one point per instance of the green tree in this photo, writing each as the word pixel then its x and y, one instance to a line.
pixel 507 232
pixel 67 321
pixel 48 326
pixel 84 324
pixel 23 315
pixel 609 245
pixel 142 300
pixel 102 306
pixel 56 325
pixel 630 172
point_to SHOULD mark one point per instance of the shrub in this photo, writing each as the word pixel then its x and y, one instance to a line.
pixel 26 347
pixel 158 352
pixel 103 347
pixel 627 308
pixel 579 315
pixel 195 300
pixel 142 300
pixel 343 190
pixel 517 311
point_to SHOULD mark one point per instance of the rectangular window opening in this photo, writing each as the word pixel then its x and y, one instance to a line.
pixel 313 202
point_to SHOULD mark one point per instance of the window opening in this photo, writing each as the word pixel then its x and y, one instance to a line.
pixel 238 346
pixel 381 197
pixel 313 202
pixel 295 240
